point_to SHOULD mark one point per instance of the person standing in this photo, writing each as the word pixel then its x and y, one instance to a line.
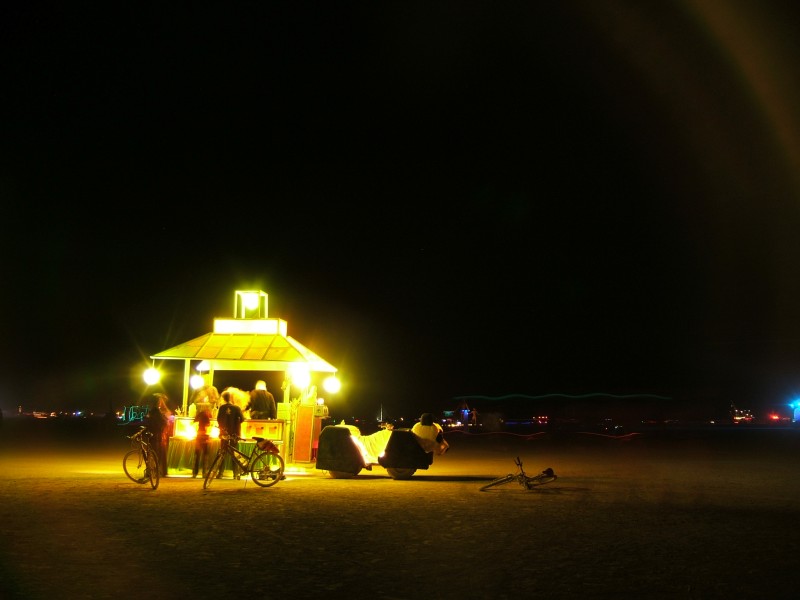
pixel 203 420
pixel 157 421
pixel 229 420
pixel 213 400
pixel 199 396
pixel 262 402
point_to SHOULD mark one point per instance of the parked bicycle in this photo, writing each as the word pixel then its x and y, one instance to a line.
pixel 526 481
pixel 264 464
pixel 141 463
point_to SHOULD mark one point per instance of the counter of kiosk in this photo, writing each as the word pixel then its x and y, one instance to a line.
pixel 180 452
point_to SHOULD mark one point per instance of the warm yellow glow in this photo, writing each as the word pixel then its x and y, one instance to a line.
pixel 152 376
pixel 186 429
pixel 250 300
pixel 265 326
pixel 300 375
pixel 272 430
pixel 332 384
pixel 361 447
pixel 197 381
pixel 250 304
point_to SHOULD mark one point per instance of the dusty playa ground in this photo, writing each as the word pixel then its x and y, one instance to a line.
pixel 678 514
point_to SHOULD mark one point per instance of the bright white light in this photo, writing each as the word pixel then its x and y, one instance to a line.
pixel 300 375
pixel 250 301
pixel 197 381
pixel 203 366
pixel 332 384
pixel 152 376
pixel 302 380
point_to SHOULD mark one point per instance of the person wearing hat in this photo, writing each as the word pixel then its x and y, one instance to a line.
pixel 430 434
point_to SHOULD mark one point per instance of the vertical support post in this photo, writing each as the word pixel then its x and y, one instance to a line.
pixel 186 377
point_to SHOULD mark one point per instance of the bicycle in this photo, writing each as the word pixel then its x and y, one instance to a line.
pixel 141 463
pixel 265 464
pixel 526 481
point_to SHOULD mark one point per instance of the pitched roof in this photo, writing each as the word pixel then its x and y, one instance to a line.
pixel 247 352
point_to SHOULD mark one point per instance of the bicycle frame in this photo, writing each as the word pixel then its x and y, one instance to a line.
pixel 264 464
pixel 242 459
pixel 526 481
pixel 140 463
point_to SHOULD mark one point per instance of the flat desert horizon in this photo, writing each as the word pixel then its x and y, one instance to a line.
pixel 666 514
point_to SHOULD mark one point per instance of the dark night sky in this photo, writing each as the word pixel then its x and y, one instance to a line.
pixel 442 199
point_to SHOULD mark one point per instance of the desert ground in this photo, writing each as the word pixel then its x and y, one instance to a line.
pixel 662 513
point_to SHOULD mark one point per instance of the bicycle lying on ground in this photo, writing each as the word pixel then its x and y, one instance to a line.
pixel 141 463
pixel 265 464
pixel 526 481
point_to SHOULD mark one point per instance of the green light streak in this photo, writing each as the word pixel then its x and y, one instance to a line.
pixel 507 396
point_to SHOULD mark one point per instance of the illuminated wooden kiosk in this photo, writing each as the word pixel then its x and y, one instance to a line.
pixel 251 341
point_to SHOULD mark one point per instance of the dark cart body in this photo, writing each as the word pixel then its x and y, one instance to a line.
pixel 341 457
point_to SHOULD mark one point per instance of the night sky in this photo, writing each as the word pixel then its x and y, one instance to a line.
pixel 443 200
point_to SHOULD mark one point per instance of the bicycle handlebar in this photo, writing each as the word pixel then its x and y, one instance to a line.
pixel 142 431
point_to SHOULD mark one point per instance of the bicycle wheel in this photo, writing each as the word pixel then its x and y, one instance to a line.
pixel 266 469
pixel 216 467
pixel 152 469
pixel 135 466
pixel 499 481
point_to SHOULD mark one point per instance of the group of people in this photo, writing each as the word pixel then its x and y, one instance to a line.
pixel 258 403
pixel 227 409
pixel 208 404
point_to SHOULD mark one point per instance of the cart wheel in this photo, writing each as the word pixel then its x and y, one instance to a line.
pixel 401 473
pixel 342 474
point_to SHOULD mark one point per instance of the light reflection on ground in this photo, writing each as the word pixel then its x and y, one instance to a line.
pixel 706 512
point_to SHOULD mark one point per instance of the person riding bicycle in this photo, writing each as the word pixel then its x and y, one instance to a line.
pixel 229 420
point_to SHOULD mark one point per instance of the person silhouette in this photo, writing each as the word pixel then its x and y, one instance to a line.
pixel 229 420
pixel 157 421
pixel 262 402
pixel 203 419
